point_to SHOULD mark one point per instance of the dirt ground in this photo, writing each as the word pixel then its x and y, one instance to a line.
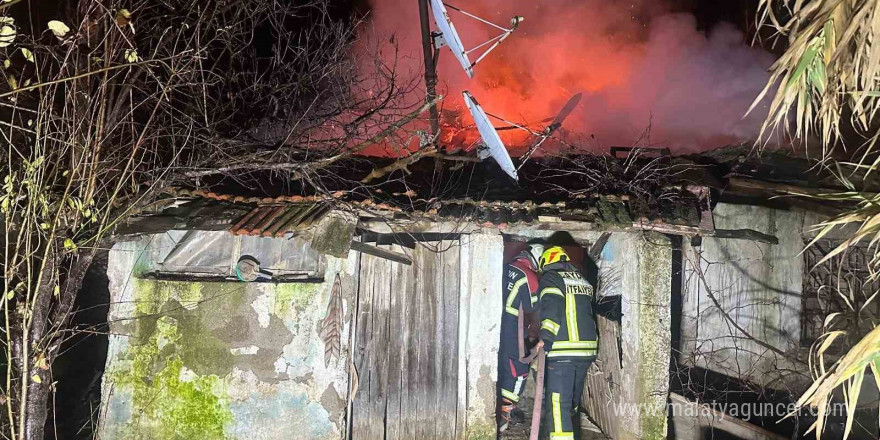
pixel 521 431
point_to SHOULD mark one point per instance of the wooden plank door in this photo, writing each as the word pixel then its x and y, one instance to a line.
pixel 406 348
pixel 602 390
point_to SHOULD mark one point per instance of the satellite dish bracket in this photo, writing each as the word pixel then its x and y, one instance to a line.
pixel 437 40
pixel 483 151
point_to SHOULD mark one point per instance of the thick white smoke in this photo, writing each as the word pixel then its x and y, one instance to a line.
pixel 692 87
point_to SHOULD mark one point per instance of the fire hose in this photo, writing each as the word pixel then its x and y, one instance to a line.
pixel 539 382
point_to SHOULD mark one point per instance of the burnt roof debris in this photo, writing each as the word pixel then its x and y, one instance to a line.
pixel 547 179
pixel 603 190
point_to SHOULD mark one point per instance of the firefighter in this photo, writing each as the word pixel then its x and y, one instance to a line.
pixel 568 333
pixel 519 288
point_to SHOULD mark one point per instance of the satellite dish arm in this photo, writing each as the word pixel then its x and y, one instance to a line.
pixel 525 157
pixel 477 18
pixel 512 125
pixel 514 24
pixel 491 48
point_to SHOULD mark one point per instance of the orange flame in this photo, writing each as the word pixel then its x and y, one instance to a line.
pixel 636 64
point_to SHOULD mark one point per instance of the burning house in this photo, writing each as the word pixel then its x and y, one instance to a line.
pixel 373 312
pixel 296 219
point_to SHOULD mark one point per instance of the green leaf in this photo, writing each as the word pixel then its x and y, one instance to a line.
pixel 28 55
pixel 58 28
pixel 817 76
pixel 131 55
pixel 806 61
pixel 853 390
pixel 7 35
pixel 69 244
pixel 123 17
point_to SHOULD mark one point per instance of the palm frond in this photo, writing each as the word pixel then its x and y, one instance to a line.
pixel 829 69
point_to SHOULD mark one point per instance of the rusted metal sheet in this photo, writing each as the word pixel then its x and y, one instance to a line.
pixel 213 253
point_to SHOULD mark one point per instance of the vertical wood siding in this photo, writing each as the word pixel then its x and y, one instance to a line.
pixel 407 345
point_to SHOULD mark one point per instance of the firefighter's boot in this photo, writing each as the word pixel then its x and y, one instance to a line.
pixel 517 416
pixel 506 408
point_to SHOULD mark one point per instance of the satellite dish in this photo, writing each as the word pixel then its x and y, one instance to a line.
pixel 566 110
pixel 448 36
pixel 554 125
pixel 493 145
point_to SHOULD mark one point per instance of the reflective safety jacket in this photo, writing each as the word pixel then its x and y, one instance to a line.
pixel 519 288
pixel 568 325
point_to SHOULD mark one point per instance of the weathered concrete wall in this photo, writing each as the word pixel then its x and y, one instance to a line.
pixel 758 285
pixel 479 324
pixel 221 360
pixel 217 360
pixel 644 261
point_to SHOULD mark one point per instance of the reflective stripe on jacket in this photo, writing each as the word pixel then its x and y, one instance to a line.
pixel 568 325
pixel 520 287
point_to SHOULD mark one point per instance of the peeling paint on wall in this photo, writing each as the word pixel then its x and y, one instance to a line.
pixel 220 360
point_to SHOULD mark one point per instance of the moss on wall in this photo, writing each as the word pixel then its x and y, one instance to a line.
pixel 169 400
pixel 482 431
pixel 298 295
pixel 216 360
pixel 165 367
pixel 655 255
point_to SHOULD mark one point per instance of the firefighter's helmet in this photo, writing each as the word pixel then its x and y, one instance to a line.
pixel 552 255
pixel 532 253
